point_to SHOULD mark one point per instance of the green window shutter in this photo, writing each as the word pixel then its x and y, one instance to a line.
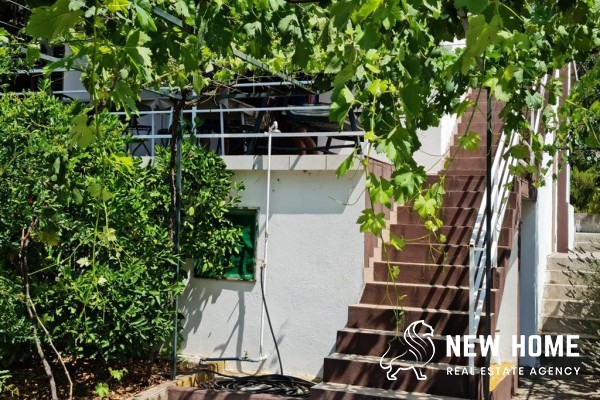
pixel 243 263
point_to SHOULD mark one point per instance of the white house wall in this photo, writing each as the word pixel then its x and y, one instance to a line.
pixel 315 270
pixel 435 143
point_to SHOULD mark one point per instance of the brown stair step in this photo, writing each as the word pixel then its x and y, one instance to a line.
pixel 436 254
pixel 367 372
pixel 481 130
pixel 454 216
pixel 341 391
pixel 458 183
pixel 381 317
pixel 460 199
pixel 467 163
pixel 432 274
pixel 368 342
pixel 417 295
pixel 457 216
pixel 481 151
pixel 454 234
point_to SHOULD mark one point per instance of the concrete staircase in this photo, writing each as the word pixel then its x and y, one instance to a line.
pixel 432 285
pixel 566 303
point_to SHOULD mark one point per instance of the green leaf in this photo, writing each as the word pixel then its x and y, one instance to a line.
pixel 519 151
pixel 397 242
pixel 341 105
pixel 368 8
pixel 81 134
pixel 424 207
pixel 470 141
pixel 534 100
pixel 346 165
pixel 473 6
pixel 340 12
pixel 48 22
pixel 102 390
pixel 371 222
pixel 117 5
pixel 50 236
pixel 99 192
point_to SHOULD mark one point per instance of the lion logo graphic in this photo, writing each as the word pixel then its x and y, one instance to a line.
pixel 420 346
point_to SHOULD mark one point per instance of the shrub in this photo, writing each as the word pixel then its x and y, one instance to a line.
pixel 101 261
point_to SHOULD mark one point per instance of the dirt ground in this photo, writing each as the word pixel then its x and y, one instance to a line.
pixel 32 383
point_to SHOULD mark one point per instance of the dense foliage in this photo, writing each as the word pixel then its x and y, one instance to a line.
pixel 375 55
pixel 101 263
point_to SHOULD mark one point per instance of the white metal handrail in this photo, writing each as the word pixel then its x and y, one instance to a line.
pixel 500 177
pixel 152 121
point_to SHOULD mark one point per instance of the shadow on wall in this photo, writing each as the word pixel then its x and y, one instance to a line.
pixel 302 192
pixel 201 293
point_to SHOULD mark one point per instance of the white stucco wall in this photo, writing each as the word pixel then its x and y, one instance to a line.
pixel 530 283
pixel 508 325
pixel 434 144
pixel 315 271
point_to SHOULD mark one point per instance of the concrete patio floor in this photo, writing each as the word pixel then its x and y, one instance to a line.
pixel 582 387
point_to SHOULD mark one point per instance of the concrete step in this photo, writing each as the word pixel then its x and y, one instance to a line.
pixel 586 247
pixel 454 234
pixel 431 274
pixel 417 295
pixel 570 325
pixel 564 292
pixel 568 277
pixel 437 254
pixel 561 307
pixel 563 261
pixel 584 237
pixel 389 318
pixel 368 342
pixel 588 361
pixel 341 391
pixel 366 371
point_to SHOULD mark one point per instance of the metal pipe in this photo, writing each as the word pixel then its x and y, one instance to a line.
pixel 488 231
pixel 263 267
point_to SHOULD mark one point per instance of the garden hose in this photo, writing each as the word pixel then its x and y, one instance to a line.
pixel 261 384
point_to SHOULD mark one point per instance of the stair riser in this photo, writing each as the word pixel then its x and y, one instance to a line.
pixel 449 275
pixel 586 247
pixel 451 216
pixel 568 326
pixel 438 382
pixel 560 308
pixel 564 292
pixel 375 344
pixel 460 183
pixel 480 129
pixel 587 237
pixel 564 264
pixel 568 277
pixel 466 163
pixel 385 319
pixel 436 254
pixel 454 234
pixel 444 298
pixel 481 151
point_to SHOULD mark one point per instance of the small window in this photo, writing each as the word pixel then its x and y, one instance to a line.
pixel 243 263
